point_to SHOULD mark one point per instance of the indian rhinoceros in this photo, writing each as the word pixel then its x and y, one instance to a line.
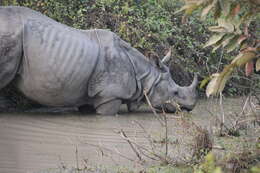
pixel 59 66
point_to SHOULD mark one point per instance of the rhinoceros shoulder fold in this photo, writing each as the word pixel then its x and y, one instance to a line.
pixel 114 72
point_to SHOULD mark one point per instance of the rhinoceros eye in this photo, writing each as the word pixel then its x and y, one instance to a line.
pixel 175 93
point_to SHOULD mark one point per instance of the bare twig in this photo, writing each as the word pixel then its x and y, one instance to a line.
pixel 166 134
pixel 163 159
pixel 223 113
pixel 245 104
pixel 253 110
pixel 101 148
pixel 217 147
pixel 131 145
pixel 85 161
pixel 257 98
pixel 217 119
pixel 148 136
pixel 63 166
pixel 148 156
pixel 77 158
pixel 152 108
pixel 220 60
pixel 246 120
pixel 151 141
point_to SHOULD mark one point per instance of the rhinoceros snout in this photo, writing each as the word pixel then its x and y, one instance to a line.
pixel 187 108
pixel 172 109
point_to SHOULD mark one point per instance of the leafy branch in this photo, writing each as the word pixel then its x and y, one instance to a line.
pixel 233 18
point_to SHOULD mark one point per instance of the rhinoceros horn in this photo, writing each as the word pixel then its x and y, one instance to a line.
pixel 166 59
pixel 194 82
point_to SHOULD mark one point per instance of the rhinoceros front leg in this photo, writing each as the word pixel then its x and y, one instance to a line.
pixel 87 109
pixel 133 106
pixel 6 104
pixel 109 108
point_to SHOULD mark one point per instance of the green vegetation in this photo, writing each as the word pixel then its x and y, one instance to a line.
pixel 233 31
pixel 154 27
pixel 151 26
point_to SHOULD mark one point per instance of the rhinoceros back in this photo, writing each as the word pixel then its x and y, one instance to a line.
pixel 58 62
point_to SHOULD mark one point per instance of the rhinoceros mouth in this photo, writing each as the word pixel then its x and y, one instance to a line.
pixel 188 109
pixel 172 106
pixel 169 106
pixel 172 109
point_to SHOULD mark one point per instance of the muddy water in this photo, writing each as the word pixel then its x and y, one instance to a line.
pixel 30 142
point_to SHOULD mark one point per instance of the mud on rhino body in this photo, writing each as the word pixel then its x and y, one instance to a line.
pixel 59 66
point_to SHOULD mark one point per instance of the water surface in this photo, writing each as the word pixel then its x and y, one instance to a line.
pixel 30 142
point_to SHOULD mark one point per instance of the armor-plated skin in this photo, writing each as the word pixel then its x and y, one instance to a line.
pixel 57 65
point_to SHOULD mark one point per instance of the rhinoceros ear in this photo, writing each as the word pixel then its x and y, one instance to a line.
pixel 158 63
pixel 167 57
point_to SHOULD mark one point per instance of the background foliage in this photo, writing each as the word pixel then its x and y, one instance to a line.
pixel 151 26
pixel 231 32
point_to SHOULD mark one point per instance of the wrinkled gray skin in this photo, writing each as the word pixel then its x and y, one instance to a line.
pixel 59 66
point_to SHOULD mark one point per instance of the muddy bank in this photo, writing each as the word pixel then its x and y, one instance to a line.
pixel 30 142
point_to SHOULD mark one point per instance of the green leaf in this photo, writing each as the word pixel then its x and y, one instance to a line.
pixel 218 81
pixel 247 17
pixel 226 24
pixel 243 46
pixel 255 170
pixel 257 65
pixel 217 170
pixel 211 87
pixel 237 21
pixel 214 39
pixel 206 10
pixel 216 46
pixel 225 6
pixel 233 44
pixel 204 82
pixel 188 8
pixel 244 57
pixel 219 43
pixel 217 11
pixel 227 39
pixel 241 39
pixel 223 78
pixel 217 29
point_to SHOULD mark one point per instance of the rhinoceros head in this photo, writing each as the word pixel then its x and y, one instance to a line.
pixel 185 97
pixel 168 95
